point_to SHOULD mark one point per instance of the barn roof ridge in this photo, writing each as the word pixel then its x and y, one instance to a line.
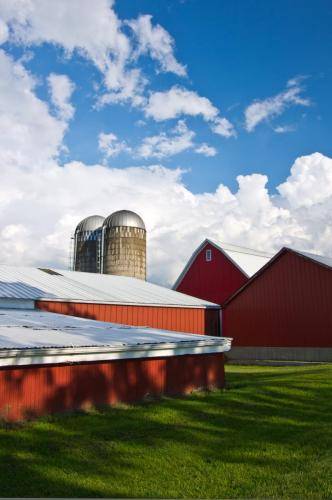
pixel 227 249
pixel 239 249
pixel 318 259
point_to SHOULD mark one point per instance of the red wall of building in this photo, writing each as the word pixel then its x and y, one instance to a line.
pixel 202 321
pixel 288 305
pixel 29 392
pixel 214 281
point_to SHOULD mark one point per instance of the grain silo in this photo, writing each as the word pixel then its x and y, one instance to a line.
pixel 124 245
pixel 87 244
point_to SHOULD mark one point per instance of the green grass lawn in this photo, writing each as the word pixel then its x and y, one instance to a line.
pixel 268 435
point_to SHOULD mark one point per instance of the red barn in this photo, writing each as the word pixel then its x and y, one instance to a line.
pixel 284 312
pixel 51 363
pixel 216 270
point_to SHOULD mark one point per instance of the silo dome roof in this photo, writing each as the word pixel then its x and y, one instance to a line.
pixel 124 218
pixel 90 223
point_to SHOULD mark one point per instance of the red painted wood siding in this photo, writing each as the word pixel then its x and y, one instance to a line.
pixel 202 321
pixel 288 305
pixel 33 391
pixel 214 281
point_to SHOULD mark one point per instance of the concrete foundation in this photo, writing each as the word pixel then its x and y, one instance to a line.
pixel 308 354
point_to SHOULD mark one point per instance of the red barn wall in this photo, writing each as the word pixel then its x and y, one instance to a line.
pixel 214 281
pixel 288 305
pixel 190 320
pixel 28 392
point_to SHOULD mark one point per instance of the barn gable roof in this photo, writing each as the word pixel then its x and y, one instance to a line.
pixel 318 259
pixel 321 259
pixel 247 260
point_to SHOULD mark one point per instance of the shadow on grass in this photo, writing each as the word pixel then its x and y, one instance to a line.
pixel 268 425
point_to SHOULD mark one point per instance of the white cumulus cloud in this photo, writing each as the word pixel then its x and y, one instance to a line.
pixel 177 219
pixel 179 101
pixel 29 135
pixel 265 109
pixel 164 145
pixel 110 145
pixel 224 127
pixel 179 139
pixel 157 42
pixel 95 33
pixel 206 150
pixel 61 89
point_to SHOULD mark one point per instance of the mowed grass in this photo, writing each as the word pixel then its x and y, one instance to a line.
pixel 269 434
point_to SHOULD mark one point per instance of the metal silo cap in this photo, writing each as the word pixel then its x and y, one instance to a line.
pixel 125 218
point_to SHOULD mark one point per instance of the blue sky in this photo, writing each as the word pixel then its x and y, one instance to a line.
pixel 230 99
pixel 235 52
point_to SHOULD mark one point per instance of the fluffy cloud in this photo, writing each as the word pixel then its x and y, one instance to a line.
pixel 114 47
pixel 206 150
pixel 169 144
pixel 110 145
pixel 96 34
pixel 224 127
pixel 310 182
pixel 177 219
pixel 263 110
pixel 179 101
pixel 29 135
pixel 163 145
pixel 157 42
pixel 61 89
pixel 3 32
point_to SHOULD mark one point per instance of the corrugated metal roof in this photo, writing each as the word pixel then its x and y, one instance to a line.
pixel 327 261
pixel 249 261
pixel 36 284
pixel 34 329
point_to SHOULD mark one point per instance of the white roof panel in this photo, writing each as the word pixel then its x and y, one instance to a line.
pixel 36 284
pixel 34 337
pixel 327 261
pixel 247 259
pixel 23 329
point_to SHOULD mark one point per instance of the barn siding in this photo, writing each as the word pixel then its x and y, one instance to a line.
pixel 214 281
pixel 33 391
pixel 190 320
pixel 287 305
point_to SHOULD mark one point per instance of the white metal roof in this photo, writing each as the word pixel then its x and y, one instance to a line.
pixel 36 284
pixel 249 261
pixel 322 259
pixel 31 337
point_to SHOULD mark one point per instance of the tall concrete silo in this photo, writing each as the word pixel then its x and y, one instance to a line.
pixel 124 245
pixel 87 244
